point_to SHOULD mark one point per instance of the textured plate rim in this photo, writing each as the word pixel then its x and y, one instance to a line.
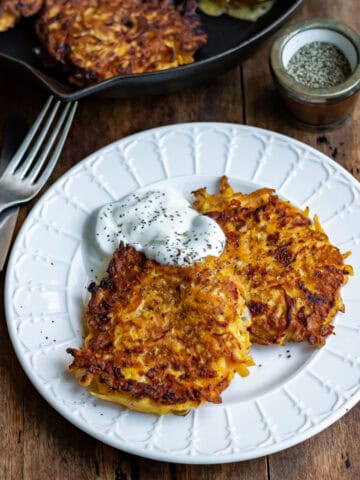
pixel 181 458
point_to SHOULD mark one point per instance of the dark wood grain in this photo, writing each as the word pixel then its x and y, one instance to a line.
pixel 331 455
pixel 11 411
pixel 36 442
pixel 255 469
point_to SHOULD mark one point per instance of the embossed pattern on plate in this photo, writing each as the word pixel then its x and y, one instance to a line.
pixel 294 391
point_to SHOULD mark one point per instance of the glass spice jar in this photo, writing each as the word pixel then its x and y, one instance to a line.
pixel 316 69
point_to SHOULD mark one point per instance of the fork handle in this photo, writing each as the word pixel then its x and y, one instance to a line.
pixel 7 227
pixel 4 206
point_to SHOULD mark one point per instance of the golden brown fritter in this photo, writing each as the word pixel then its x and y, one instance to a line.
pixel 291 273
pixel 250 10
pixel 163 339
pixel 12 10
pixel 99 39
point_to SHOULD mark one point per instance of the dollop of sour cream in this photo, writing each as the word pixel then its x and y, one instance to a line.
pixel 161 224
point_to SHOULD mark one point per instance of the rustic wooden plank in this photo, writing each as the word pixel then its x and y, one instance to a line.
pixel 52 447
pixel 100 122
pixel 333 453
pixel 11 385
pixel 11 411
pixel 251 470
pixel 144 469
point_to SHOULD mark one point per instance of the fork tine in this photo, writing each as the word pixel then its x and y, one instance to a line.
pixel 22 171
pixel 50 166
pixel 40 162
pixel 11 167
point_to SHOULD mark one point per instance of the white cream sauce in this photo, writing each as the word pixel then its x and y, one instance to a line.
pixel 161 224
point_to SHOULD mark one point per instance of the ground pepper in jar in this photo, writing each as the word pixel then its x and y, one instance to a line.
pixel 319 65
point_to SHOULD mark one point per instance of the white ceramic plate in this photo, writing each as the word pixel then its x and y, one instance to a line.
pixel 293 392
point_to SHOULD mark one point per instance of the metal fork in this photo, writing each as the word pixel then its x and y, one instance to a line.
pixel 25 175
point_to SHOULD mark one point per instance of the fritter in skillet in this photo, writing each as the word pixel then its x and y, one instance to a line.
pixel 250 10
pixel 12 10
pixel 163 339
pixel 291 273
pixel 98 39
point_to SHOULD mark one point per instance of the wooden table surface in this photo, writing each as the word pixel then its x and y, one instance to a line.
pixel 36 442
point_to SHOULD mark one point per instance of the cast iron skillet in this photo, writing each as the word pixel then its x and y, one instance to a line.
pixel 229 42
